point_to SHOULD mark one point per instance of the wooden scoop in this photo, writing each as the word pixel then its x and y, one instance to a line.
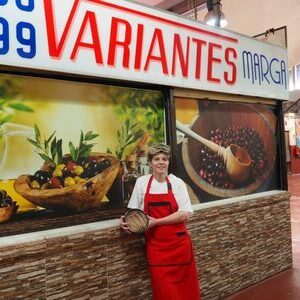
pixel 236 159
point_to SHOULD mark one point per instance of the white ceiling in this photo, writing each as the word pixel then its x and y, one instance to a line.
pixel 254 17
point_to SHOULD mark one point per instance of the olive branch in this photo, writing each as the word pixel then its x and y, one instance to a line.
pixel 50 148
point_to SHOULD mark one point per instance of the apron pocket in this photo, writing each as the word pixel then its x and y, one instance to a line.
pixel 177 252
pixel 159 209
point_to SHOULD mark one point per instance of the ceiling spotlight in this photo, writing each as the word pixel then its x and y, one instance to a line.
pixel 215 16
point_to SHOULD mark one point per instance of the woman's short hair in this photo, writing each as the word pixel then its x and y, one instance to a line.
pixel 159 148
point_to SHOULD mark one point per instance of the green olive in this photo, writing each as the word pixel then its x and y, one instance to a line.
pixel 35 185
pixel 60 166
pixel 78 170
pixel 78 179
pixel 57 173
pixel 69 181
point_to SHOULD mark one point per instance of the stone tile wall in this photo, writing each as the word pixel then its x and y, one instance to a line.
pixel 236 245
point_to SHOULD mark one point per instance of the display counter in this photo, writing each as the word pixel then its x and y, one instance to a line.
pixel 237 242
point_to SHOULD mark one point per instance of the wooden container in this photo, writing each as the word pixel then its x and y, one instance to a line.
pixel 7 212
pixel 225 115
pixel 78 197
pixel 136 220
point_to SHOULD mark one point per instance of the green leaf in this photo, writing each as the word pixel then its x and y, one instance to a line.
pixel 84 148
pixel 45 157
pixel 118 136
pixel 81 138
pixel 47 141
pixel 53 149
pixel 119 154
pixel 34 143
pixel 72 150
pixel 128 138
pixel 37 133
pixel 87 135
pixel 5 119
pixel 91 136
pixel 59 151
pixel 126 126
pixel 85 152
pixel 20 107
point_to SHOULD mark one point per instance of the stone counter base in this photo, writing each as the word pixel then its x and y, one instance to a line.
pixel 236 244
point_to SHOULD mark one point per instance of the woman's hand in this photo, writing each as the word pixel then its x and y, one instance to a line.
pixel 177 217
pixel 123 225
pixel 152 222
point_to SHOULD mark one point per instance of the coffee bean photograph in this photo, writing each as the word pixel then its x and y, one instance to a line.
pixel 226 149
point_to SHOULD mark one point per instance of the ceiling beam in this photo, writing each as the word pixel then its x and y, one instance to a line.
pixel 185 6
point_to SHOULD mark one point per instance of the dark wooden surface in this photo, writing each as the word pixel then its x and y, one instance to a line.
pixel 46 219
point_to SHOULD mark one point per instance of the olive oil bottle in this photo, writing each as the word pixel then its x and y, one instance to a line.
pixel 129 178
pixel 142 160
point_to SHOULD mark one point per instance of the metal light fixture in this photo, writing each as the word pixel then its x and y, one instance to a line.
pixel 215 16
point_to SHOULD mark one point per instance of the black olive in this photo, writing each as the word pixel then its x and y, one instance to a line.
pixel 5 202
pixel 2 194
pixel 90 171
pixel 96 167
pixel 82 161
pixel 9 201
pixel 42 176
pixel 104 164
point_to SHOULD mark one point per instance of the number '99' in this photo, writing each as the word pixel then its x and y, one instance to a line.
pixel 25 32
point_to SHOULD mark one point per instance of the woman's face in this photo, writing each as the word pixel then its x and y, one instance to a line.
pixel 160 164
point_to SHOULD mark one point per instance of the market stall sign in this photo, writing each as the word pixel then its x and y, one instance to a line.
pixel 128 41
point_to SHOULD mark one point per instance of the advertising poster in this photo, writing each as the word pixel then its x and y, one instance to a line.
pixel 64 145
pixel 297 128
pixel 226 149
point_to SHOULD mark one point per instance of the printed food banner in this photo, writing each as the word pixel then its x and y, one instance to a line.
pixel 72 146
pixel 226 149
pixel 124 40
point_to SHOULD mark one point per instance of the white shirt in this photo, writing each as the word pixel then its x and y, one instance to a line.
pixel 178 188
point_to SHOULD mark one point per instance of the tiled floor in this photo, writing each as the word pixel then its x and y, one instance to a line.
pixel 286 285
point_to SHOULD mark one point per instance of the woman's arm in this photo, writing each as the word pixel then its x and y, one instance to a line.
pixel 136 201
pixel 177 217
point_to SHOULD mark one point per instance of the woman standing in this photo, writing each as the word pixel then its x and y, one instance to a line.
pixel 164 198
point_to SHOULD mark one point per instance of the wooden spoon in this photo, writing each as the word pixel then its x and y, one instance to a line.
pixel 236 159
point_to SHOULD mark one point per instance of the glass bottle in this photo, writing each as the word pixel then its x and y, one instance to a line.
pixel 129 178
pixel 143 167
pixel 17 158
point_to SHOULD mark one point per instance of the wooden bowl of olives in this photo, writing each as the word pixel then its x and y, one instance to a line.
pixel 226 124
pixel 8 207
pixel 72 186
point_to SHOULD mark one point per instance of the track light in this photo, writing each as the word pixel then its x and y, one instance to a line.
pixel 215 16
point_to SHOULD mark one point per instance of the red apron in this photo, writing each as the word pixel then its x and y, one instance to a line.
pixel 169 251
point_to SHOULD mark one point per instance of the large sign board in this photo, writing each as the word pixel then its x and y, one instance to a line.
pixel 128 41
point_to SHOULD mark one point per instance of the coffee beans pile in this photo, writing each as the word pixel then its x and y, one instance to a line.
pixel 212 168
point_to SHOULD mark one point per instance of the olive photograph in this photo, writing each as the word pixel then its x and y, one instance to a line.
pixel 71 146
pixel 226 149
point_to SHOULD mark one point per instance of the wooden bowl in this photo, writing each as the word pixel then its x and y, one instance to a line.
pixel 224 115
pixel 78 197
pixel 137 220
pixel 7 212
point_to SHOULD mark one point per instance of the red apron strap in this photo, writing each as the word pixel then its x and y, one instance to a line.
pixel 169 186
pixel 149 184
